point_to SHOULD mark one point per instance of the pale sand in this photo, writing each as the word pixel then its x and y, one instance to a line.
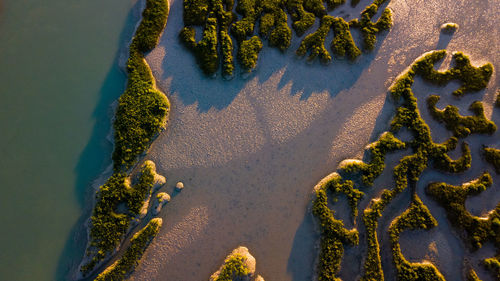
pixel 251 150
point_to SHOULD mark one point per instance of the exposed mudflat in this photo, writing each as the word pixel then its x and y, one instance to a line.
pixel 249 151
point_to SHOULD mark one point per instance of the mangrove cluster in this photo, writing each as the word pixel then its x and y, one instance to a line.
pixel 141 114
pixel 353 176
pixel 225 29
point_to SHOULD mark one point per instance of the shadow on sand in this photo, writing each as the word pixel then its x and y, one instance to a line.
pixel 181 75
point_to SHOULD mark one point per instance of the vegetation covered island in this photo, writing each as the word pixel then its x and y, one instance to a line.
pixel 354 176
pixel 123 200
pixel 225 29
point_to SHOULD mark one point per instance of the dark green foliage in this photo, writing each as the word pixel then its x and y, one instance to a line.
pixel 343 43
pixel 218 21
pixel 205 50
pixel 244 28
pixel 444 163
pixel 195 12
pixel 472 78
pixel 127 263
pixel 248 53
pixel 227 54
pixel 497 101
pixel 462 126
pixel 215 21
pixel 492 156
pixel 332 4
pixel 234 267
pixel 302 20
pixel 416 217
pixel 316 7
pixel 478 230
pixel 333 233
pixel 273 24
pixel 142 109
pixel 406 172
pixel 368 28
pixel 314 43
pixel 108 225
pixel 154 18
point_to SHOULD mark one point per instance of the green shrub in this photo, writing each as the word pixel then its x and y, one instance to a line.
pixel 406 173
pixel 195 12
pixel 343 43
pixel 314 43
pixel 108 226
pixel 248 53
pixel 492 156
pixel 497 101
pixel 138 244
pixel 142 109
pixel 333 233
pixel 368 28
pixel 416 217
pixel 302 20
pixel 227 54
pixel 461 126
pixel 234 267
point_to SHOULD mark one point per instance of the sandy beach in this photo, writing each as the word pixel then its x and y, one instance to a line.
pixel 250 151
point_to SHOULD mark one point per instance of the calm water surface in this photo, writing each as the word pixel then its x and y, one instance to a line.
pixel 58 76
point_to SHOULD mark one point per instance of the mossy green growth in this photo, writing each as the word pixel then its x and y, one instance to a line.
pixel 314 43
pixel 248 53
pixel 127 263
pixel 462 126
pixel 417 216
pixel 219 22
pixel 117 203
pixel 195 12
pixel 370 29
pixel 333 232
pixel 206 52
pixel 342 43
pixel 405 173
pixel 234 267
pixel 273 24
pixel 301 19
pixel 142 109
pixel 478 230
pixel 492 156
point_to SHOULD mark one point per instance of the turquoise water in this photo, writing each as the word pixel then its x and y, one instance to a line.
pixel 58 76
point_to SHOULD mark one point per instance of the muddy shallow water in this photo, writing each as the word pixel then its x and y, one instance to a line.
pixel 250 150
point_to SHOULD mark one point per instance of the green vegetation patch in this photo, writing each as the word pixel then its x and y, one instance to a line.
pixel 333 232
pixel 425 152
pixel 138 244
pixel 478 230
pixel 462 126
pixel 492 156
pixel 142 109
pixel 219 23
pixel 117 203
pixel 417 216
pixel 141 114
pixel 234 267
pixel 314 43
